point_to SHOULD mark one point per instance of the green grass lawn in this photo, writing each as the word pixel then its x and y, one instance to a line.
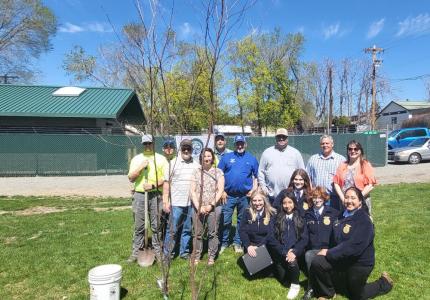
pixel 48 256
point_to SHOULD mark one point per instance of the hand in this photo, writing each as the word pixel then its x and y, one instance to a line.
pixel 322 252
pixel 249 193
pixel 144 164
pixel 203 210
pixel 223 198
pixel 291 257
pixel 166 207
pixel 147 186
pixel 251 251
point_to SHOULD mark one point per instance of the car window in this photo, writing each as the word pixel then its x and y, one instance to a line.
pixel 418 142
pixel 420 132
pixel 406 134
pixel 393 133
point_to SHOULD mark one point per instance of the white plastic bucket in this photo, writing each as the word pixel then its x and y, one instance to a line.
pixel 105 282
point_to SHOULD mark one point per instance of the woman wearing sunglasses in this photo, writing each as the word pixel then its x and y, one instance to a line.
pixel 355 172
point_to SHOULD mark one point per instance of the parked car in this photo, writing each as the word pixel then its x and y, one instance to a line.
pixel 414 153
pixel 403 137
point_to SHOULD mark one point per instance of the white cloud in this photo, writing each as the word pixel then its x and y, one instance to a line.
pixel 375 28
pixel 70 28
pixel 301 29
pixel 186 30
pixel 99 27
pixel 414 26
pixel 331 30
pixel 86 27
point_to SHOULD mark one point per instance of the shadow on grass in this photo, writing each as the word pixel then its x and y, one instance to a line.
pixel 123 293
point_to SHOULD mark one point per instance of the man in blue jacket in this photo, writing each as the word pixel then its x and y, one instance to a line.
pixel 240 171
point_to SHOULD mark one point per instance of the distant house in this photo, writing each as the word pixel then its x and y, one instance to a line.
pixel 392 115
pixel 231 130
pixel 51 109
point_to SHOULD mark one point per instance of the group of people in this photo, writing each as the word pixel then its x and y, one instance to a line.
pixel 315 218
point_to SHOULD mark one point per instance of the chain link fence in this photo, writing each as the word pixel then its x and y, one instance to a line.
pixel 29 154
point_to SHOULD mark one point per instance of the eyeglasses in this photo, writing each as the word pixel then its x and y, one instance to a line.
pixel 186 149
pixel 354 149
pixel 147 143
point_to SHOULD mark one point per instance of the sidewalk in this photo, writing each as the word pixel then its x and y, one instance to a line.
pixel 118 185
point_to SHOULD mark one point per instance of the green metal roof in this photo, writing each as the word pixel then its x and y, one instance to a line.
pixel 38 101
pixel 411 105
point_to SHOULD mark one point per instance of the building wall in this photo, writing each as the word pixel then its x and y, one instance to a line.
pixel 392 117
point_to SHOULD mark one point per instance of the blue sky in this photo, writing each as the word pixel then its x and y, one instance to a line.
pixel 332 29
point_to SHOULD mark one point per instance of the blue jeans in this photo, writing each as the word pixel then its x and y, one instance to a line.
pixel 180 217
pixel 227 212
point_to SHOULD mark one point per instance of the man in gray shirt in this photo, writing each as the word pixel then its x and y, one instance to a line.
pixel 277 164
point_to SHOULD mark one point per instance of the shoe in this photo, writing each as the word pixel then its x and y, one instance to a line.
pixel 308 294
pixel 211 261
pixel 185 256
pixel 131 259
pixel 238 249
pixel 222 249
pixel 389 282
pixel 294 291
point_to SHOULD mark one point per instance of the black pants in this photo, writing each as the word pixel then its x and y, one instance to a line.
pixel 322 273
pixel 286 272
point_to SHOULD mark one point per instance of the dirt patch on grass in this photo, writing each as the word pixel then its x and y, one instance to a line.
pixel 38 210
pixel 10 240
pixel 99 209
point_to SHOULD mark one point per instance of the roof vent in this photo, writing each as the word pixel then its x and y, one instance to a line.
pixel 69 91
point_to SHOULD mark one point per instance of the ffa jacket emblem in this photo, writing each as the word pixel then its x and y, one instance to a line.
pixel 346 228
pixel 326 220
pixel 305 206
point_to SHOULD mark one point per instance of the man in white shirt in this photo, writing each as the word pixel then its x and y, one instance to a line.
pixel 176 200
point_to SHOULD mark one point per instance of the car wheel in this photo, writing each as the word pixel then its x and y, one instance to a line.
pixel 414 158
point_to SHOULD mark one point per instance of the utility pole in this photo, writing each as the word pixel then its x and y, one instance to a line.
pixel 330 106
pixel 6 77
pixel 375 63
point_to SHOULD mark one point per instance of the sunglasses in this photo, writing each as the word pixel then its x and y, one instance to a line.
pixel 147 144
pixel 353 149
pixel 281 137
pixel 186 149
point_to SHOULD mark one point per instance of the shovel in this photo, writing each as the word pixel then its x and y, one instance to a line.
pixel 146 257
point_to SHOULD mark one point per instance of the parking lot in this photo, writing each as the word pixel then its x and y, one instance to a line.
pixel 118 185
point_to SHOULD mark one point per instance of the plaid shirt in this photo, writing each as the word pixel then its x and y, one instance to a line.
pixel 322 169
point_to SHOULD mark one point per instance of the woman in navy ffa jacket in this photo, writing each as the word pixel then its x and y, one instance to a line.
pixel 353 254
pixel 300 185
pixel 319 221
pixel 257 222
pixel 288 244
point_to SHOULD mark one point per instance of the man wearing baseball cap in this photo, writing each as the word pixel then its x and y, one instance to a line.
pixel 220 143
pixel 177 180
pixel 146 173
pixel 169 148
pixel 240 171
pixel 277 164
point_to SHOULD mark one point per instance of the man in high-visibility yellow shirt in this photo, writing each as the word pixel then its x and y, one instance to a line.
pixel 146 172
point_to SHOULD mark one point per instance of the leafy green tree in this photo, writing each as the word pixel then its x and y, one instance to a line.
pixel 266 65
pixel 26 29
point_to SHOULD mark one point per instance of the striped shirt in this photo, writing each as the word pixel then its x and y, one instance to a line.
pixel 322 169
pixel 180 174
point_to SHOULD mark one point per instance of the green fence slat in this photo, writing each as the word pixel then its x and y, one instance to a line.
pixel 25 154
